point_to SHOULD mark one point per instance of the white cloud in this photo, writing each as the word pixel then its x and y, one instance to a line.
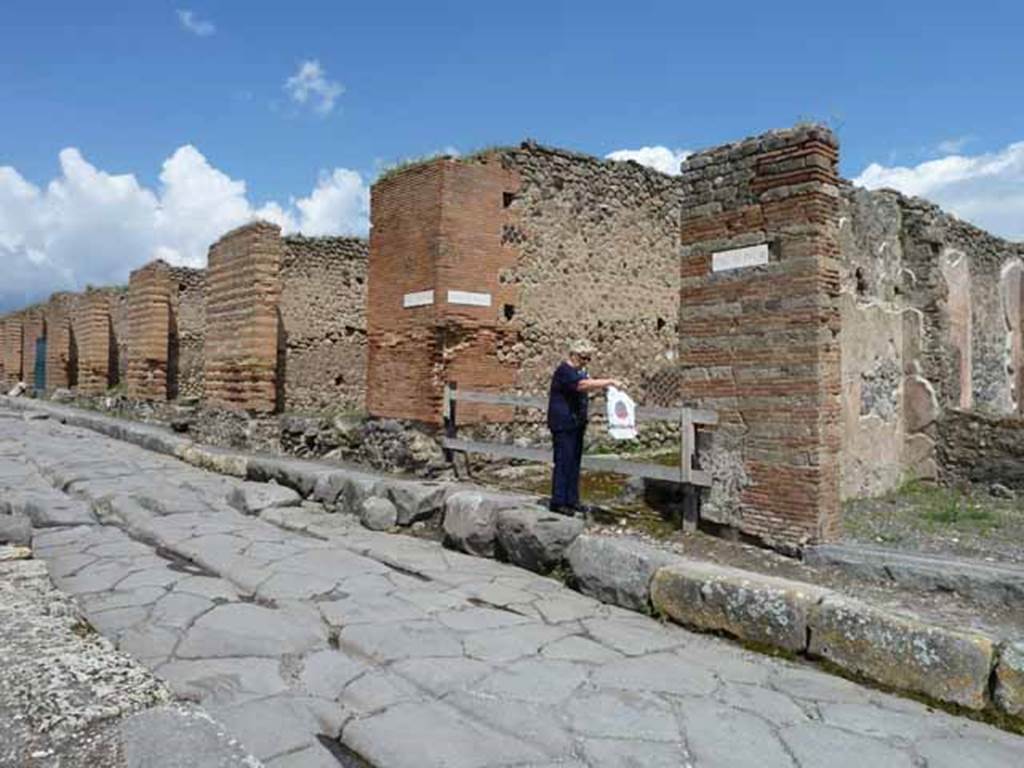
pixel 195 25
pixel 954 145
pixel 309 85
pixel 985 189
pixel 659 158
pixel 90 226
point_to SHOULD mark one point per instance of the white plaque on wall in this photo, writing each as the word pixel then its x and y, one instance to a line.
pixel 418 299
pixel 468 297
pixel 738 258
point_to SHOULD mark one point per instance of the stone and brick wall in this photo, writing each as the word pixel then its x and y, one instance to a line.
pixel 759 343
pixel 61 346
pixel 94 341
pixel 323 312
pixel 188 332
pixel 34 328
pixel 523 250
pixel 11 349
pixel 149 329
pixel 981 448
pixel 244 347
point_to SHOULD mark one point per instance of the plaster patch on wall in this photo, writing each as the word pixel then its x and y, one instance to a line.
pixel 418 299
pixel 469 297
pixel 738 258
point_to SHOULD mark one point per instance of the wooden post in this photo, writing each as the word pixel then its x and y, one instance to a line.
pixel 691 493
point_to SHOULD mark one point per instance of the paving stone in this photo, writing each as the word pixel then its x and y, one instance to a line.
pixel 295 586
pixel 403 640
pixel 474 618
pixel 164 737
pixel 253 498
pixel 537 680
pixel 1009 691
pixel 883 722
pixel 622 715
pixel 574 648
pixel 442 676
pixel 432 735
pixel 626 753
pixel 946 664
pixel 316 756
pixel 510 643
pixel 658 672
pixel 52 510
pixel 224 681
pixel 269 727
pixel 752 742
pixel 768 704
pixel 302 476
pixel 614 570
pixel 325 673
pixel 377 690
pixel 149 643
pixel 536 539
pixel 817 744
pixel 969 753
pixel 761 609
pixel 366 609
pixel 242 629
pixel 344 490
pixel 633 637
pixel 540 725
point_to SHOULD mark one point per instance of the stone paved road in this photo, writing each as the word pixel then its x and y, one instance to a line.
pixel 314 649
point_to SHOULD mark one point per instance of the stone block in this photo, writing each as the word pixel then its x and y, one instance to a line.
pixel 616 571
pixel 902 652
pixel 536 539
pixel 344 490
pixel 378 514
pixel 15 530
pixel 413 500
pixel 300 475
pixel 471 520
pixel 1009 691
pixel 253 498
pixel 752 607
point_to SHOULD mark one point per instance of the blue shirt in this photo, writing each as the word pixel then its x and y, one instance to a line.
pixel 567 406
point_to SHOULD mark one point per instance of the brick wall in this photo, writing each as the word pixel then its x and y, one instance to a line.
pixel 34 329
pixel 149 291
pixel 188 332
pixel 11 350
pixel 405 241
pixel 323 312
pixel 243 328
pixel 554 244
pixel 759 343
pixel 93 336
pixel 61 347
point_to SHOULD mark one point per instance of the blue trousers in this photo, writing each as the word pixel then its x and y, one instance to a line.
pixel 565 479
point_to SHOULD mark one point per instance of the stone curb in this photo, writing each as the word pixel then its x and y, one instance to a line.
pixel 961 668
pixel 997 584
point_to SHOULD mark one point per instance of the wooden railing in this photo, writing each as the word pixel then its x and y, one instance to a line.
pixel 687 472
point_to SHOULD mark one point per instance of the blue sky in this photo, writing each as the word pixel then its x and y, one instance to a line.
pixel 126 85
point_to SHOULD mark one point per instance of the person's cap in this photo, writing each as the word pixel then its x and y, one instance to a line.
pixel 581 347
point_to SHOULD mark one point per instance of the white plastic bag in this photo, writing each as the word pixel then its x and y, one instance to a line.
pixel 621 414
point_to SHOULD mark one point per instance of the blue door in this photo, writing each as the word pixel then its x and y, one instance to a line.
pixel 40 372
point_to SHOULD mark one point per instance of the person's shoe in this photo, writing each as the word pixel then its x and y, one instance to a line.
pixel 567 511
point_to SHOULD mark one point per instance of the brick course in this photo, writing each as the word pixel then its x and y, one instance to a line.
pixel 61 351
pixel 148 346
pixel 759 344
pixel 11 349
pixel 243 333
pixel 94 340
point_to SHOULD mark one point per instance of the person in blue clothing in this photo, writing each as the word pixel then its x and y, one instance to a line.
pixel 567 419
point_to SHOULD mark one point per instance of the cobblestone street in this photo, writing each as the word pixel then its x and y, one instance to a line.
pixel 361 646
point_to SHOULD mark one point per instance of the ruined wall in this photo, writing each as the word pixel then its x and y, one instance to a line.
pixel 34 328
pixel 981 448
pixel 323 314
pixel 758 329
pixel 243 331
pixel 523 249
pixel 187 332
pixel 61 345
pixel 937 299
pixel 94 339
pixel 11 349
pixel 148 333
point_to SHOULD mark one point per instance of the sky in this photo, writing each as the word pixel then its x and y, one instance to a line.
pixel 137 130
